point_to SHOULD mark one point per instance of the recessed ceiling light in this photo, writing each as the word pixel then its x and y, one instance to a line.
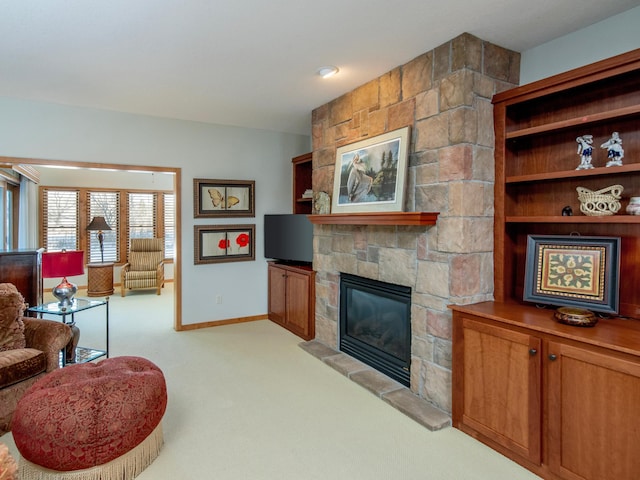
pixel 326 72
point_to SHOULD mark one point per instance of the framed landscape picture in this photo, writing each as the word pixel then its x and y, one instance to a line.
pixel 369 175
pixel 573 271
pixel 223 198
pixel 224 243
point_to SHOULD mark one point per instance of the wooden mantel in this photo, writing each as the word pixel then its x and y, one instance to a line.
pixel 376 218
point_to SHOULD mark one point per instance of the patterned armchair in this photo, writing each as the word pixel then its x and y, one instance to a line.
pixel 29 349
pixel 145 268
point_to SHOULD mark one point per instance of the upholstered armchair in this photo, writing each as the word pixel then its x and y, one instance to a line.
pixel 29 349
pixel 145 268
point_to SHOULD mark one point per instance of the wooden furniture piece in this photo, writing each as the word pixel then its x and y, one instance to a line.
pixel 376 218
pixel 23 268
pixel 536 128
pixel 563 401
pixel 560 400
pixel 100 279
pixel 292 298
pixel 302 168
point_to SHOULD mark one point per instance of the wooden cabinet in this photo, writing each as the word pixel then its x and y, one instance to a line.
pixel 594 412
pixel 23 268
pixel 536 127
pixel 501 386
pixel 562 401
pixel 302 170
pixel 292 298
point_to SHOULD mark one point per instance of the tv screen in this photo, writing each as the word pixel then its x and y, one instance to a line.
pixel 288 238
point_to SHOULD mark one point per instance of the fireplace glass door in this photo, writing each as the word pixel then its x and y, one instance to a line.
pixel 375 324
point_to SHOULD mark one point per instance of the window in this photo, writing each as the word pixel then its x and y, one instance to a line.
pixel 169 225
pixel 66 212
pixel 107 205
pixel 142 215
pixel 60 220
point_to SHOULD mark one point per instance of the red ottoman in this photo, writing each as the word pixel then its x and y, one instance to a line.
pixel 92 421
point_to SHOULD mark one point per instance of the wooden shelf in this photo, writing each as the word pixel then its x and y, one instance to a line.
pixel 377 218
pixel 619 218
pixel 572 122
pixel 593 172
pixel 302 181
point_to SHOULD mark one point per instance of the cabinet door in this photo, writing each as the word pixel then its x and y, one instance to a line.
pixel 594 414
pixel 277 294
pixel 501 392
pixel 298 303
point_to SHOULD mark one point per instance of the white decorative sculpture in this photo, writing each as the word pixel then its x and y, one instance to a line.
pixel 585 150
pixel 615 153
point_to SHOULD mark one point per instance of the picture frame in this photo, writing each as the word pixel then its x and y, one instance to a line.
pixel 573 271
pixel 224 243
pixel 223 198
pixel 370 175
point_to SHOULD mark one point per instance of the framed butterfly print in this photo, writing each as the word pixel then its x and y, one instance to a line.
pixel 223 198
pixel 224 243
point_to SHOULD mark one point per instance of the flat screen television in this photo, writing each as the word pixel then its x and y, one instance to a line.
pixel 288 238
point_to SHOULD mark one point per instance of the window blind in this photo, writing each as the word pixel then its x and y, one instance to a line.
pixel 107 205
pixel 60 220
pixel 169 225
pixel 141 214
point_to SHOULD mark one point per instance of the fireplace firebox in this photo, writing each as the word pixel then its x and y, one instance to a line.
pixel 375 324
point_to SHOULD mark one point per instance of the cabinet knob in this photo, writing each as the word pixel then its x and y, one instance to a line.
pixel 552 357
pixel 533 351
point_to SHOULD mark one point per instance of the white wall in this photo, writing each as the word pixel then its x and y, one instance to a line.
pixel 48 131
pixel 612 36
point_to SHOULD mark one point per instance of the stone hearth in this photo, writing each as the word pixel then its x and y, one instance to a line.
pixel 444 96
pixel 380 385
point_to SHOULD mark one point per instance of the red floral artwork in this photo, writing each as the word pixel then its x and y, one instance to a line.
pixel 242 240
pixel 223 244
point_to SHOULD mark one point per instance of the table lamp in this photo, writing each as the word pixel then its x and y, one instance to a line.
pixel 63 264
pixel 98 224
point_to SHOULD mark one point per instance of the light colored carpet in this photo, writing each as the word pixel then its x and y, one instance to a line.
pixel 246 402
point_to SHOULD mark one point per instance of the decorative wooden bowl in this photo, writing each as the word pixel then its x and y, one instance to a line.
pixel 577 317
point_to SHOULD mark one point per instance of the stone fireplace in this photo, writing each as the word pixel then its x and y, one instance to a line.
pixel 444 96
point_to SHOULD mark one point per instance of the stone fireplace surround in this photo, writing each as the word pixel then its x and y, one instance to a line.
pixel 445 96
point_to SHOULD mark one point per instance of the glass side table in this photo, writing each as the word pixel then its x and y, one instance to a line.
pixel 67 314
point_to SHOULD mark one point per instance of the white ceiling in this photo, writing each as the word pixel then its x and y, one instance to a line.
pixel 248 63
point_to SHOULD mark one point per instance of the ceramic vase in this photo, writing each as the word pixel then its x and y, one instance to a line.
pixel 634 206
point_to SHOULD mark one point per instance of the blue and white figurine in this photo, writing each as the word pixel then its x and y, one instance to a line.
pixel 615 153
pixel 585 149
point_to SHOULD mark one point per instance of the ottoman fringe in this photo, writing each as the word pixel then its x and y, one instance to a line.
pixel 125 467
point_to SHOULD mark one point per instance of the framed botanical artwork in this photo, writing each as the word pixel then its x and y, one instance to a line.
pixel 573 271
pixel 369 175
pixel 224 243
pixel 223 198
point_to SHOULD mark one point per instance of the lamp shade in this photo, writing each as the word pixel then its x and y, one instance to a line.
pixel 98 223
pixel 62 264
